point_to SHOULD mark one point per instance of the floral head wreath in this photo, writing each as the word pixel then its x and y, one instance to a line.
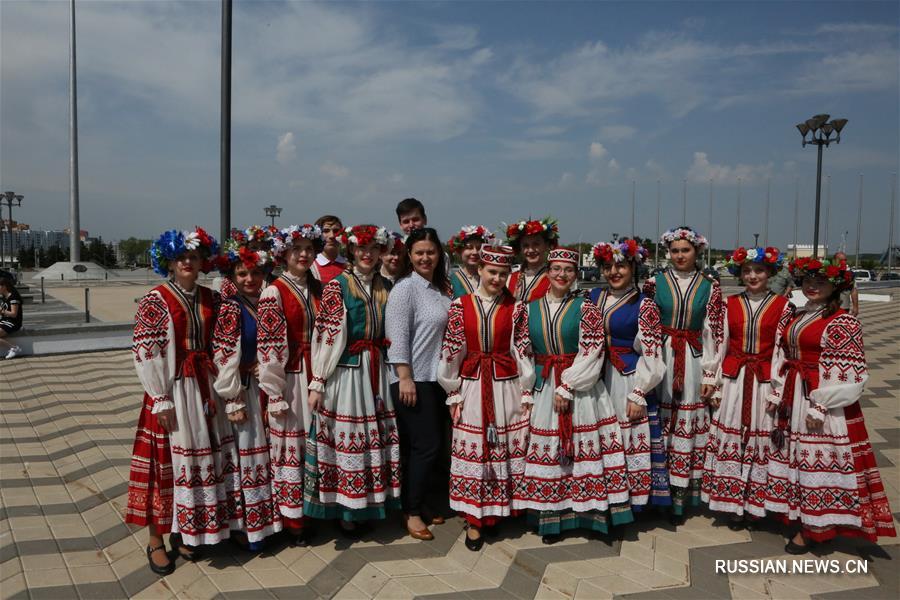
pixel 252 247
pixel 284 239
pixel 619 251
pixel 363 235
pixel 548 227
pixel 173 243
pixel 836 271
pixel 478 233
pixel 684 233
pixel 396 241
pixel 764 256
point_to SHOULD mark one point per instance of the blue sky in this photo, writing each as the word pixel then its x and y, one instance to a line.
pixel 487 112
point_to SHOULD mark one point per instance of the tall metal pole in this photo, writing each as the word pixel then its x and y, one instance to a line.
pixel 74 219
pixel 859 218
pixel 796 213
pixel 818 202
pixel 632 208
pixel 709 231
pixel 827 213
pixel 737 241
pixel 225 126
pixel 768 200
pixel 658 232
pixel 684 203
pixel 891 227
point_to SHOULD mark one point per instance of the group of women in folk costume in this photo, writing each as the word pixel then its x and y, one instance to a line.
pixel 271 405
pixel 788 436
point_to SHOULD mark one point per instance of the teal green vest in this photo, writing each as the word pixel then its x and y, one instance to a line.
pixel 365 320
pixel 679 311
pixel 559 336
pixel 459 286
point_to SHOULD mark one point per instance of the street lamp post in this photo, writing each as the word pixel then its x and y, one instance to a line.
pixel 273 211
pixel 820 130
pixel 709 231
pixel 658 232
pixel 737 241
pixel 11 199
pixel 756 240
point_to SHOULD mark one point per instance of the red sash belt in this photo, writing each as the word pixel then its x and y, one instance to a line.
pixel 485 361
pixel 375 348
pixel 559 363
pixel 302 351
pixel 809 373
pixel 754 370
pixel 681 337
pixel 615 353
pixel 198 365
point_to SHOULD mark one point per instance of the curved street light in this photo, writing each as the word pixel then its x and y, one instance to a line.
pixel 820 130
pixel 10 199
pixel 273 211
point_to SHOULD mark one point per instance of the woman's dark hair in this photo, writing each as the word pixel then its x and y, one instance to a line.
pixel 409 205
pixel 314 285
pixel 7 283
pixel 427 234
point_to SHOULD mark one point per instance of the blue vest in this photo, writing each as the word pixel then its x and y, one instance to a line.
pixel 248 341
pixel 621 326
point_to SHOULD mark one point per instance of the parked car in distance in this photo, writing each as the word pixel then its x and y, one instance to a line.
pixel 588 274
pixel 890 276
pixel 862 275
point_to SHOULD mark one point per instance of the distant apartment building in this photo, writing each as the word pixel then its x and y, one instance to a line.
pixel 25 237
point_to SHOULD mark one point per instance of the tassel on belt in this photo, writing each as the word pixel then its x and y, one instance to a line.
pixel 753 372
pixel 484 362
pixel 807 370
pixel 559 363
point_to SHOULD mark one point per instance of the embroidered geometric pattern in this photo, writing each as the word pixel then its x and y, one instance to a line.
pixel 843 357
pixel 151 327
pixel 227 335
pixel 331 313
pixel 454 336
pixel 592 332
pixel 271 332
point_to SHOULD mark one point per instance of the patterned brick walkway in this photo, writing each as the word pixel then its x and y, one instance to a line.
pixel 65 442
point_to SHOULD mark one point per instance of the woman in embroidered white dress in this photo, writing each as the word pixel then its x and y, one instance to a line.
pixel 822 476
pixel 356 452
pixel 489 410
pixel 183 448
pixel 634 368
pixel 287 311
pixel 575 474
pixel 690 307
pixel 246 261
pixel 735 471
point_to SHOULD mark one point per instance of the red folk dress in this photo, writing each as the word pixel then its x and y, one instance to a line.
pixel 181 473
pixel 827 478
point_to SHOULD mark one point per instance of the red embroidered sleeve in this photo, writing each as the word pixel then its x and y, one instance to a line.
pixel 151 329
pixel 330 318
pixel 521 336
pixel 271 332
pixel 454 335
pixel 227 334
pixel 715 312
pixel 649 288
pixel 649 328
pixel 843 357
pixel 592 332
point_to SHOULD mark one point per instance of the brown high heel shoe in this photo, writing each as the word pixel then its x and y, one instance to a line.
pixel 420 534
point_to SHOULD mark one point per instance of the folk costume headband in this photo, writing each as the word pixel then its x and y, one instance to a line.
pixel 547 227
pixel 363 235
pixel 173 243
pixel 478 233
pixel 763 256
pixel 399 241
pixel 499 256
pixel 837 272
pixel 284 239
pixel 251 247
pixel 619 251
pixel 563 255
pixel 684 233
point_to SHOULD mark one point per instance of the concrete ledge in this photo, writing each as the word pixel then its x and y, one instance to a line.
pixel 68 339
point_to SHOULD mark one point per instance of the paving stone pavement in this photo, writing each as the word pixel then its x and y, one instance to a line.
pixel 65 444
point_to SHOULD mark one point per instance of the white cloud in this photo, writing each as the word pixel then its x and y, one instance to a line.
pixel 597 151
pixel 566 179
pixel 655 169
pixel 613 165
pixel 286 151
pixel 334 170
pixel 702 170
pixel 456 37
pixel 396 178
pixel 617 133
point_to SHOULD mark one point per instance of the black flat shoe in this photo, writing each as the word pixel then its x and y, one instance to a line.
pixel 474 545
pixel 676 520
pixel 797 549
pixel 550 539
pixel 167 569
pixel 177 543
pixel 302 539
pixel 736 525
pixel 353 533
pixel 491 530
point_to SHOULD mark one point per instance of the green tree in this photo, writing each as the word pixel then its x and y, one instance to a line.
pixel 135 250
